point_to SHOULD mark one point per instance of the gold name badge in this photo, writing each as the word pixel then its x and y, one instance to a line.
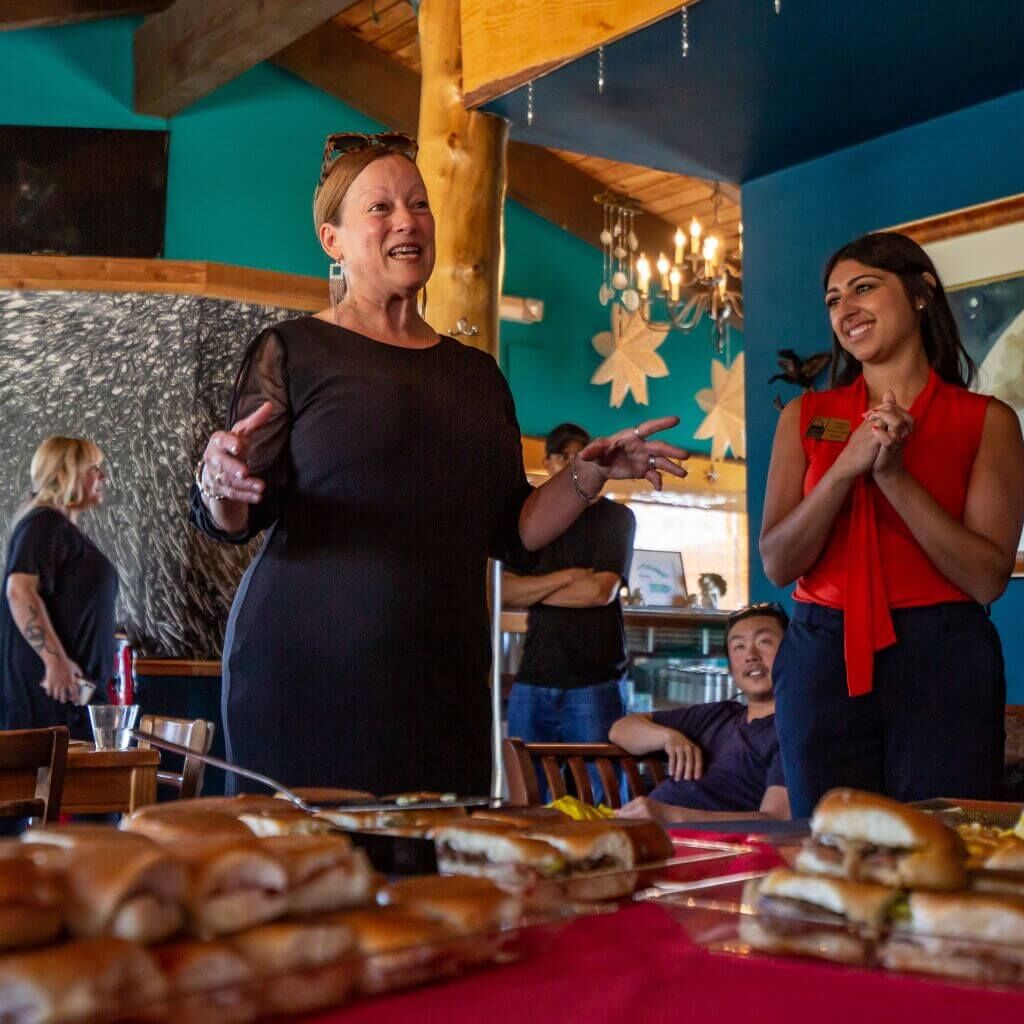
pixel 828 428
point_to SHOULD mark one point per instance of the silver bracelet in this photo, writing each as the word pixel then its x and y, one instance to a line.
pixel 203 489
pixel 588 499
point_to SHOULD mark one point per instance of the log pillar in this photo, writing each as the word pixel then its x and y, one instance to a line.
pixel 462 160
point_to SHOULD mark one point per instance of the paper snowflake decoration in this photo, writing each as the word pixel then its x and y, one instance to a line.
pixel 725 422
pixel 629 356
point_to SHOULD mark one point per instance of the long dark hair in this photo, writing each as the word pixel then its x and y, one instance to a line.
pixel 902 256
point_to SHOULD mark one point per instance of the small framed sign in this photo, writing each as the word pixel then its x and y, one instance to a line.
pixel 658 577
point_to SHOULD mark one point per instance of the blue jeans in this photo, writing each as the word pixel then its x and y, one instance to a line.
pixel 548 714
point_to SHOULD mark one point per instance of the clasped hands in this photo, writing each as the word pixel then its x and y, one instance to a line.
pixel 876 446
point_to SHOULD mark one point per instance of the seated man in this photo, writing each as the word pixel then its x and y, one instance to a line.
pixel 723 758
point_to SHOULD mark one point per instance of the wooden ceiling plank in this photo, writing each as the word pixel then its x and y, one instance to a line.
pixel 505 45
pixel 15 14
pixel 195 46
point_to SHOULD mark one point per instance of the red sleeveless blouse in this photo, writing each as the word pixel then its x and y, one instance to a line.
pixel 872 562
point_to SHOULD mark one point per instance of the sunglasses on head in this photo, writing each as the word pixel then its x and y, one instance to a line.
pixel 341 143
pixel 761 608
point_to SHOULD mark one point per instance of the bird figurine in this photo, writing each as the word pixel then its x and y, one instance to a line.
pixel 801 372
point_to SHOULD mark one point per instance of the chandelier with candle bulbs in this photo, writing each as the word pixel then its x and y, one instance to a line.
pixel 700 278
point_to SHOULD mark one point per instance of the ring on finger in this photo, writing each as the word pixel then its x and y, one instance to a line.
pixel 636 430
pixel 652 462
pixel 219 477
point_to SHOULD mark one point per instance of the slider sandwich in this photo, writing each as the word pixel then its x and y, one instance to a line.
pixel 520 817
pixel 127 889
pixel 828 918
pixel 965 935
pixel 80 979
pixel 466 904
pixel 303 965
pixel 232 885
pixel 869 838
pixel 177 826
pixel 495 851
pixel 412 820
pixel 30 905
pixel 317 796
pixel 399 949
pixel 588 846
pixel 324 872
pixel 209 983
pixel 283 821
pixel 232 806
pixel 1003 871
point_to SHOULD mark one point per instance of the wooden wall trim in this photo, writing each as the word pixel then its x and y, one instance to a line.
pixel 176 277
pixel 967 221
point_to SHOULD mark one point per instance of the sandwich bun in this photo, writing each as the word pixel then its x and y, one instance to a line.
pixel 304 965
pixel 1008 856
pixel 79 979
pixel 859 902
pixel 283 822
pixel 324 872
pixel 320 795
pixel 519 817
pixel 209 983
pixel 466 904
pixel 30 904
pixel 495 851
pixel 177 826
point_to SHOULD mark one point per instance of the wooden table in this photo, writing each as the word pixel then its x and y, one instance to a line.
pixel 98 781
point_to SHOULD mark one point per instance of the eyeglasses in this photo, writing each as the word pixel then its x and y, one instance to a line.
pixel 341 143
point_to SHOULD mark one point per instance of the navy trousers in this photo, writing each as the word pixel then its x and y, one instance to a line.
pixel 932 726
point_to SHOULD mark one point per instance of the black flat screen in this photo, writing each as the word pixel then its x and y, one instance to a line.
pixel 83 191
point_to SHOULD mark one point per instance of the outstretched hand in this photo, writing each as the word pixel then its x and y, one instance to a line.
pixel 226 467
pixel 629 455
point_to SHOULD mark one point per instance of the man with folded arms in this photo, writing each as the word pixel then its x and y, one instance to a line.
pixel 723 757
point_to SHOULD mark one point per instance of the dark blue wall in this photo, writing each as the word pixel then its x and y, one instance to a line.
pixel 794 219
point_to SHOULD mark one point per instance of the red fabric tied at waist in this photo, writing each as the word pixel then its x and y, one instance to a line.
pixel 867 623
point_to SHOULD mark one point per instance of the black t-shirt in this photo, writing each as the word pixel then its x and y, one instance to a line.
pixel 571 647
pixel 741 758
pixel 78 585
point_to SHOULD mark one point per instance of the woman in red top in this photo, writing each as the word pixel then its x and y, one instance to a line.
pixel 895 500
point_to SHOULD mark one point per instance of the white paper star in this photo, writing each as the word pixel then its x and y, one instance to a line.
pixel 725 422
pixel 630 357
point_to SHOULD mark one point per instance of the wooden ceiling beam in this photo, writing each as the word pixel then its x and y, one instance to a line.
pixel 353 71
pixel 195 46
pixel 17 14
pixel 505 45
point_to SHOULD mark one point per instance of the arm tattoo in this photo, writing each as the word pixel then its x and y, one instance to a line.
pixel 34 632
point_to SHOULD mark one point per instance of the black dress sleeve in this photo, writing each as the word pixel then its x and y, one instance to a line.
pixel 507 544
pixel 262 377
pixel 40 547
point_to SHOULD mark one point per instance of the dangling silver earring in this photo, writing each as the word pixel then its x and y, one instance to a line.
pixel 337 284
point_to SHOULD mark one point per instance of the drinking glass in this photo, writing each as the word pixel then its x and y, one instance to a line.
pixel 112 725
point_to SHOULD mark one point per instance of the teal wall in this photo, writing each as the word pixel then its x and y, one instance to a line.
pixel 242 165
pixel 794 219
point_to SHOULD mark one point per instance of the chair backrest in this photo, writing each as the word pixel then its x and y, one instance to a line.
pixel 34 760
pixel 522 760
pixel 194 733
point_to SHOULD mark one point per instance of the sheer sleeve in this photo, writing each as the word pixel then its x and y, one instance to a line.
pixel 262 377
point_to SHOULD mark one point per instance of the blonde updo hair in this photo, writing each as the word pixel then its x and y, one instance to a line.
pixel 56 471
pixel 330 196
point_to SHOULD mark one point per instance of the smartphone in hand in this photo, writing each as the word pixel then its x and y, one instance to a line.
pixel 86 688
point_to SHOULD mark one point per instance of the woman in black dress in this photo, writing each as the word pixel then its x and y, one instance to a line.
pixel 385 463
pixel 57 610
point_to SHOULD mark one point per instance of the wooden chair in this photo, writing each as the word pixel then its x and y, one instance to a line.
pixel 36 759
pixel 194 733
pixel 521 761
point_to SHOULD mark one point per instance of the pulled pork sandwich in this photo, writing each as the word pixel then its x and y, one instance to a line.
pixel 964 935
pixel 495 851
pixel 828 918
pixel 867 838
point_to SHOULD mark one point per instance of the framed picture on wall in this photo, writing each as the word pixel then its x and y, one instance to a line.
pixel 658 577
pixel 979 253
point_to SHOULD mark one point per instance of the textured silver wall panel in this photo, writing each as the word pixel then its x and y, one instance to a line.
pixel 147 377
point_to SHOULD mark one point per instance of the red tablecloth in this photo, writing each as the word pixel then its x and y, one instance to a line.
pixel 639 966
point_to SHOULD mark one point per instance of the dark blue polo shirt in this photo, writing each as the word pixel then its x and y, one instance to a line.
pixel 741 758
